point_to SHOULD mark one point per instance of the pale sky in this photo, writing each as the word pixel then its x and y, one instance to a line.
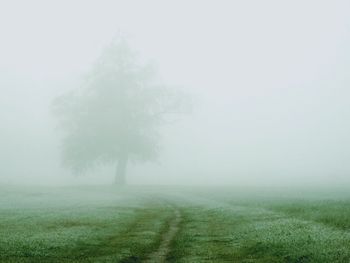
pixel 269 82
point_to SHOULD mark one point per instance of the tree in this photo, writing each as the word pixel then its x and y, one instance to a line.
pixel 114 116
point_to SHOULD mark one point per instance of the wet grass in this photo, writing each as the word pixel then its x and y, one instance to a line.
pixel 88 232
pixel 218 235
pixel 114 225
pixel 329 212
pixel 224 228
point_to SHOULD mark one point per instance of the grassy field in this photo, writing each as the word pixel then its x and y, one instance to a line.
pixel 145 224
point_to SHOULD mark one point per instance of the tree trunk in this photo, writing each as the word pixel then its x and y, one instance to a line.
pixel 120 174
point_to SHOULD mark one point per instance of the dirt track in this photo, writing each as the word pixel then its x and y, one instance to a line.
pixel 160 255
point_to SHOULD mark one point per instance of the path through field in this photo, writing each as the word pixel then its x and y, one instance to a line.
pixel 147 224
pixel 160 255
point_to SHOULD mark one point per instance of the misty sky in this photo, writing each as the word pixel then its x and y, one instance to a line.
pixel 269 81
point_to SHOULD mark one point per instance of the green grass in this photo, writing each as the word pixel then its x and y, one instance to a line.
pixel 329 212
pixel 80 229
pixel 217 235
pixel 227 226
pixel 106 224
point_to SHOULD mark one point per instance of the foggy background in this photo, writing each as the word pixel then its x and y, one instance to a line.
pixel 269 82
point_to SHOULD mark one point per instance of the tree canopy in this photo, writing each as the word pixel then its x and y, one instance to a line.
pixel 114 116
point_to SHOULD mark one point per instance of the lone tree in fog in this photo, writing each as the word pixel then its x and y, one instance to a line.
pixel 113 117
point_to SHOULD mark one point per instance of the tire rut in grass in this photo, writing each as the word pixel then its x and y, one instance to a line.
pixel 160 255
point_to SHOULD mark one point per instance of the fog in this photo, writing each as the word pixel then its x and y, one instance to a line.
pixel 268 81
